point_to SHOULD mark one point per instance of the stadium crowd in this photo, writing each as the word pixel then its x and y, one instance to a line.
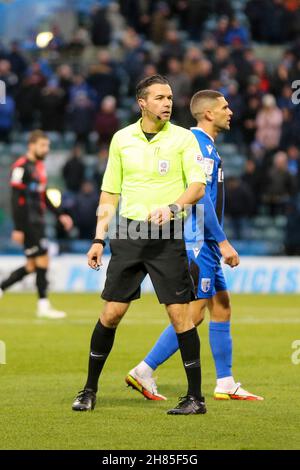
pixel 85 85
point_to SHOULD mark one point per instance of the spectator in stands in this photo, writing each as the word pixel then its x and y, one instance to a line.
pixel 100 26
pixel 280 78
pixel 260 71
pixel 268 122
pixel 293 154
pixel 57 42
pixel 253 178
pixel 255 11
pixel 203 76
pixel 249 119
pixel 28 101
pixel 159 22
pixel 236 104
pixel 7 114
pixel 290 129
pixel 221 30
pixel 17 60
pixel 171 47
pixel 81 118
pixel 79 87
pixel 240 203
pixel 84 210
pixel 103 77
pixel 74 170
pixel 236 34
pixel 52 107
pixel 181 87
pixel 64 76
pixel 280 185
pixel 107 122
pixel 8 77
pixel 134 57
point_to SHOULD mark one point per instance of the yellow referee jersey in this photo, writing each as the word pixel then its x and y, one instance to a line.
pixel 152 174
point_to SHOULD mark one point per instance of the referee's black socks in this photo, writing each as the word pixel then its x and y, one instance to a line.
pixel 101 344
pixel 14 277
pixel 189 344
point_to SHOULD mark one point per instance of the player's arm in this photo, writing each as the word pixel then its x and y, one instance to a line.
pixel 214 229
pixel 108 203
pixel 64 219
pixel 18 183
pixel 19 215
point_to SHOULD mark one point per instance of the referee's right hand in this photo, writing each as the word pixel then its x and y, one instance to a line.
pixel 95 255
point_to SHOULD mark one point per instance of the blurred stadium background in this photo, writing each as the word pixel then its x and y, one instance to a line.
pixel 70 67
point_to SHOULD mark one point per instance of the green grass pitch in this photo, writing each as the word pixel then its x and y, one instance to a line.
pixel 46 366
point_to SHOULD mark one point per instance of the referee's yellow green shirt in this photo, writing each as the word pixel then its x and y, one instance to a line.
pixel 152 174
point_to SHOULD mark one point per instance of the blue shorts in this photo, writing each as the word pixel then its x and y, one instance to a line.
pixel 206 270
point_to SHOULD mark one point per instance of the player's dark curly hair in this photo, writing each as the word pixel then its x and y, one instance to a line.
pixel 141 88
pixel 36 135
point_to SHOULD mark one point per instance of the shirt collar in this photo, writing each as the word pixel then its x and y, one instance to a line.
pixel 139 132
pixel 201 130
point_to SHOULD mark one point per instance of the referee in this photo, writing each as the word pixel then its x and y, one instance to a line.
pixel 153 168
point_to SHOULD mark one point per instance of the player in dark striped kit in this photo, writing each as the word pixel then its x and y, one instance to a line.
pixel 29 203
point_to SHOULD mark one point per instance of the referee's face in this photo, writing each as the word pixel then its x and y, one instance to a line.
pixel 157 105
pixel 222 114
pixel 40 149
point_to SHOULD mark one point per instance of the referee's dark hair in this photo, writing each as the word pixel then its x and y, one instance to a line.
pixel 141 88
pixel 36 135
pixel 201 98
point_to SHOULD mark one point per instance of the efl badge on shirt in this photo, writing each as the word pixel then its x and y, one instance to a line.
pixel 209 166
pixel 205 284
pixel 163 166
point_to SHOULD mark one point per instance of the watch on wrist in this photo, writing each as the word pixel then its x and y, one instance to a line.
pixel 175 209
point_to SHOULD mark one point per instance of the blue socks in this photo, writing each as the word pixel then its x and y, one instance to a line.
pixel 221 346
pixel 166 346
pixel 220 342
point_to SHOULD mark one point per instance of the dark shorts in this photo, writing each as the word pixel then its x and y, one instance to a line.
pixel 165 261
pixel 35 242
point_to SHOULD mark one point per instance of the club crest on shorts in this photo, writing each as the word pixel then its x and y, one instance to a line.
pixel 163 166
pixel 205 284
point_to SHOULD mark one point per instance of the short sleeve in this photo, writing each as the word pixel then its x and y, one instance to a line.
pixel 192 160
pixel 113 176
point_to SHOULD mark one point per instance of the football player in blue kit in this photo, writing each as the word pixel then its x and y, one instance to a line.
pixel 212 113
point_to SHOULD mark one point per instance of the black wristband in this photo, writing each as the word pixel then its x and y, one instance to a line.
pixel 99 240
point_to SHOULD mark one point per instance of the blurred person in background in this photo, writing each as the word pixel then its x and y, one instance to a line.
pixel 73 170
pixel 29 203
pixel 268 123
pixel 106 121
pixel 280 185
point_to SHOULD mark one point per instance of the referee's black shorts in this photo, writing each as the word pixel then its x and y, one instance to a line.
pixel 165 261
pixel 35 242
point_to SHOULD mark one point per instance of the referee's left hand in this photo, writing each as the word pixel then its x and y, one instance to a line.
pixel 95 255
pixel 160 216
